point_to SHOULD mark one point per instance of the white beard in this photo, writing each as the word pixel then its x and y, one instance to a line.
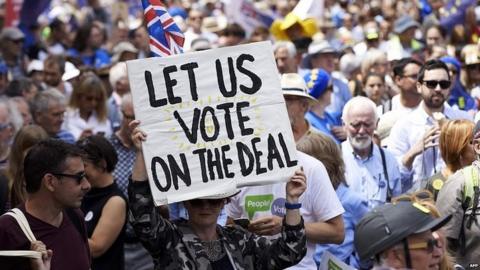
pixel 360 143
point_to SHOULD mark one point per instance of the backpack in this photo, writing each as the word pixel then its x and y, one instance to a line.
pixel 470 200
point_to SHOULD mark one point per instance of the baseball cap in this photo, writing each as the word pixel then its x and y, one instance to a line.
pixel 403 23
pixel 11 33
pixel 294 85
pixel 35 65
pixel 317 47
pixel 388 224
pixel 122 47
pixel 371 33
pixel 200 44
pixel 70 71
pixel 317 82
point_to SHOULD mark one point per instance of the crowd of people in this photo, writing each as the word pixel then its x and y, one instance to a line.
pixel 383 99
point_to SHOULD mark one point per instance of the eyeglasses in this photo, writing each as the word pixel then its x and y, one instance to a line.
pixel 429 245
pixel 78 177
pixel 432 84
pixel 4 126
pixel 201 202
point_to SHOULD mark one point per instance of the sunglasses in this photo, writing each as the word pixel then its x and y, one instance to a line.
pixel 201 202
pixel 473 67
pixel 78 177
pixel 432 84
pixel 429 245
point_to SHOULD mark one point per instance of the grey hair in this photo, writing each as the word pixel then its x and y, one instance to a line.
pixel 42 100
pixel 370 58
pixel 292 51
pixel 348 64
pixel 357 102
pixel 14 115
pixel 117 72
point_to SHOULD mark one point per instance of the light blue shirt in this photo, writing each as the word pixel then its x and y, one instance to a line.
pixel 355 208
pixel 367 177
pixel 341 94
pixel 408 131
pixel 324 124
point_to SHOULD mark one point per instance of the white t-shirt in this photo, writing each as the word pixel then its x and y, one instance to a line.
pixel 319 202
pixel 76 125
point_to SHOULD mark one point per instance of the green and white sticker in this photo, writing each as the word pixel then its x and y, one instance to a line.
pixel 257 203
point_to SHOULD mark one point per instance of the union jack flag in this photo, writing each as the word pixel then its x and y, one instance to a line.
pixel 165 36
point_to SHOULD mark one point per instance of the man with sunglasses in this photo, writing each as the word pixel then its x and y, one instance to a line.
pixel 414 138
pixel 399 236
pixel 56 184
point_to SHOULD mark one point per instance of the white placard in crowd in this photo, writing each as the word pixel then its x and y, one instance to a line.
pixel 215 120
pixel 330 262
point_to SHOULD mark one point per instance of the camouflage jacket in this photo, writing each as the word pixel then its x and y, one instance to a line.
pixel 173 245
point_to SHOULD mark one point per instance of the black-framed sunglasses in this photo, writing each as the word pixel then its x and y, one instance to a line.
pixel 201 202
pixel 429 245
pixel 432 84
pixel 78 176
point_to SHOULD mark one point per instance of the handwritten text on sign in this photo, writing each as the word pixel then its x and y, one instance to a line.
pixel 215 120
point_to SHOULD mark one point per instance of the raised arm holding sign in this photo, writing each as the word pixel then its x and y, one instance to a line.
pixel 216 121
pixel 212 246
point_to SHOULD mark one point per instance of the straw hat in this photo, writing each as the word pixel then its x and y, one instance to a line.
pixel 294 85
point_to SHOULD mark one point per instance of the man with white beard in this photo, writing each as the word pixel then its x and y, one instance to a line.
pixel 370 170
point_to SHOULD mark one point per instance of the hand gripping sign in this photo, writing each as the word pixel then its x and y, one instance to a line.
pixel 216 120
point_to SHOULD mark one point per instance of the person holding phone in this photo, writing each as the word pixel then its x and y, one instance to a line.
pixel 87 111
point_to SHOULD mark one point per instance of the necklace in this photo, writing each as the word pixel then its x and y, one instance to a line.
pixel 214 250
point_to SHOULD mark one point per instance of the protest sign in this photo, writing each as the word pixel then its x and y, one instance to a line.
pixel 330 262
pixel 215 120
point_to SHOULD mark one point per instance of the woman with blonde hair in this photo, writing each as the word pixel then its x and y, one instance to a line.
pixel 324 149
pixel 456 148
pixel 26 137
pixel 87 112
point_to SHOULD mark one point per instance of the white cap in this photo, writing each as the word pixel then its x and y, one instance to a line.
pixel 35 65
pixel 70 72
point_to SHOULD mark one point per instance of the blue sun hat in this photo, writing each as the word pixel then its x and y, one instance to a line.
pixel 317 81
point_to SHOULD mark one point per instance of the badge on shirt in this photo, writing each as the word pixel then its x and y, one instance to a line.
pixel 382 184
pixel 437 184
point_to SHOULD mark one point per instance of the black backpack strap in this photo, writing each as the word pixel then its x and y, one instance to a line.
pixel 473 215
pixel 461 236
pixel 77 222
pixel 385 172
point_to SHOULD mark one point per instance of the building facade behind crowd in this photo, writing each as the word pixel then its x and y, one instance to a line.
pixel 391 89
